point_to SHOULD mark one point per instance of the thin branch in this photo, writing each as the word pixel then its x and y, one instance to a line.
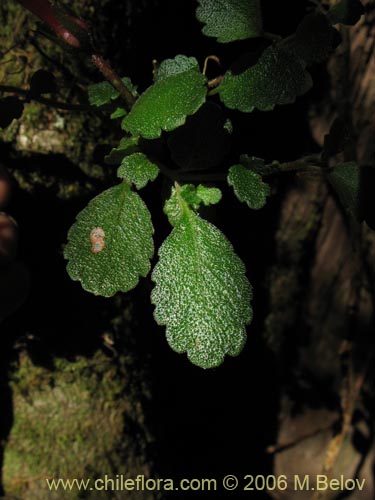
pixel 110 75
pixel 43 100
pixel 277 448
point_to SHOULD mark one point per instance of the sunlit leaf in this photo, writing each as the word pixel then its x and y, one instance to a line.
pixel 202 295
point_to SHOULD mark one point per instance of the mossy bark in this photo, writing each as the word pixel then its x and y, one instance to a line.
pixel 322 299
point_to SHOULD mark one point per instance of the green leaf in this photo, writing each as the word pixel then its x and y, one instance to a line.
pixel 202 294
pixel 314 40
pixel 248 186
pixel 346 12
pixel 278 77
pixel 255 164
pixel 166 104
pixel 190 196
pixel 230 20
pixel 170 67
pixel 127 146
pixel 137 168
pixel 174 208
pixel 203 141
pixel 103 92
pixel 345 180
pixel 208 195
pixel 118 113
pixel 110 245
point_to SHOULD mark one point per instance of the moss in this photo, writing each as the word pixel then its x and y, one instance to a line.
pixel 69 423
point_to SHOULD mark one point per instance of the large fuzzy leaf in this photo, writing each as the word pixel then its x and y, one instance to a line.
pixel 179 91
pixel 278 77
pixel 230 20
pixel 202 295
pixel 110 245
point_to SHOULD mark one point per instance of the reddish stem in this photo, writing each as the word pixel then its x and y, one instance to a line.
pixel 47 13
pixel 76 35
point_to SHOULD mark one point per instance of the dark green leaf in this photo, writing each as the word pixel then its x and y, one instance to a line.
pixel 203 141
pixel 314 40
pixel 345 180
pixel 103 92
pixel 110 245
pixel 248 186
pixel 255 164
pixel 137 168
pixel 202 294
pixel 278 77
pixel 127 146
pixel 230 20
pixel 170 67
pixel 346 12
pixel 166 104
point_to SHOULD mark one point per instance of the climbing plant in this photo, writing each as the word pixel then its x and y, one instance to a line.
pixel 201 293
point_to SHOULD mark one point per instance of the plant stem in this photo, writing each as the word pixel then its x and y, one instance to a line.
pixel 105 68
pixel 309 164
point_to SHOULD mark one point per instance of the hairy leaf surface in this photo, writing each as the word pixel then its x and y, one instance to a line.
pixel 178 92
pixel 277 77
pixel 230 20
pixel 138 169
pixel 110 245
pixel 248 186
pixel 191 196
pixel 202 295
